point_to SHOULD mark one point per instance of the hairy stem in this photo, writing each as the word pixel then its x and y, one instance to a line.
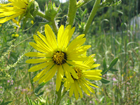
pixel 71 12
pixel 59 96
pixel 92 14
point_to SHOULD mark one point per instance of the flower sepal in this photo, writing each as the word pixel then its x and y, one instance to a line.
pixel 51 11
pixel 32 9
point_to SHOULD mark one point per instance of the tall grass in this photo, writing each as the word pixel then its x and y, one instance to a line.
pixel 16 85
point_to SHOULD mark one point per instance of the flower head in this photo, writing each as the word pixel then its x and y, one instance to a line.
pixel 57 55
pixel 81 82
pixel 14 9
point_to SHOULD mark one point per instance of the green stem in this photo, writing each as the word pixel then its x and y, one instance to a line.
pixel 59 95
pixel 92 14
pixel 54 27
pixel 31 81
pixel 41 14
pixel 71 12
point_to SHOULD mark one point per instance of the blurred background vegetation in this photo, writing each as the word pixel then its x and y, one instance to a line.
pixel 114 32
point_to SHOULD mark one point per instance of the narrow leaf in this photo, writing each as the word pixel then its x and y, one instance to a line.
pixel 113 70
pixel 113 63
pixel 104 81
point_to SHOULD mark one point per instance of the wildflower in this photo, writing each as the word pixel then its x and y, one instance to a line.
pixel 82 82
pixel 8 81
pixel 15 35
pixel 32 22
pixel 57 55
pixel 114 79
pixel 14 9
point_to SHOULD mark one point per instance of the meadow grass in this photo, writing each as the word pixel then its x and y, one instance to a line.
pixel 17 87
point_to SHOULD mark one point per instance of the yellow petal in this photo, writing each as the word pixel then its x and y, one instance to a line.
pixel 49 74
pixel 78 41
pixel 78 88
pixel 38 47
pixel 50 36
pixel 59 36
pixel 39 66
pixel 60 75
pixel 93 77
pixel 70 70
pixel 67 73
pixel 36 60
pixel 41 43
pixel 90 83
pixel 43 72
pixel 78 64
pixel 44 39
pixel 83 87
pixel 76 92
pixel 3 20
pixel 71 89
pixel 36 54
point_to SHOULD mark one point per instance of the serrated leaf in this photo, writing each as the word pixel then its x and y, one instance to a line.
pixel 113 70
pixel 113 63
pixel 104 81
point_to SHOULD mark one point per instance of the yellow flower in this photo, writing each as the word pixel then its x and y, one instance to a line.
pixel 32 22
pixel 12 10
pixel 15 35
pixel 82 82
pixel 57 55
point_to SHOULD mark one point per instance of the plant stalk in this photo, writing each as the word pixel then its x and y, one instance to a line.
pixel 71 12
pixel 92 14
pixel 59 95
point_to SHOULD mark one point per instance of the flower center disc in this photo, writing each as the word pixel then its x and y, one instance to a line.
pixel 59 58
pixel 78 72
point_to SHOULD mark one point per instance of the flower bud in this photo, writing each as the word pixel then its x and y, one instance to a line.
pixel 51 10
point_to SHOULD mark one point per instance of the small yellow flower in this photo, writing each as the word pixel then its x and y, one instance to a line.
pixel 32 22
pixel 81 82
pixel 57 55
pixel 15 35
pixel 12 9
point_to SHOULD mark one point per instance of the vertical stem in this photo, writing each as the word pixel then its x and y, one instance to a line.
pixel 59 95
pixel 71 12
pixel 55 28
pixel 92 14
pixel 31 81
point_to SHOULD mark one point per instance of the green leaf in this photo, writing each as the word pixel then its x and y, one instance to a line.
pixel 113 70
pixel 104 64
pixel 28 100
pixel 5 103
pixel 113 63
pixel 41 93
pixel 39 87
pixel 84 12
pixel 105 67
pixel 104 81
